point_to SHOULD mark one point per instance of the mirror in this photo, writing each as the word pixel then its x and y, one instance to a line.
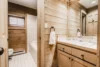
pixel 89 17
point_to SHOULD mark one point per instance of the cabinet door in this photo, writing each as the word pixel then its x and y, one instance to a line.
pixel 79 63
pixel 63 60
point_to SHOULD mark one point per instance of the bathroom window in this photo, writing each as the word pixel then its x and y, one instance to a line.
pixel 16 21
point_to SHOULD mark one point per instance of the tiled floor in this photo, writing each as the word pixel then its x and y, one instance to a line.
pixel 24 60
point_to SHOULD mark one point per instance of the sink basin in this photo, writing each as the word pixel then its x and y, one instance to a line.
pixel 80 42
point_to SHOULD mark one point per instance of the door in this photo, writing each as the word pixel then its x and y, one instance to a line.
pixel 63 59
pixel 3 33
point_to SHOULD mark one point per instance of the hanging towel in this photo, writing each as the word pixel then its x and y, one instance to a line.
pixel 52 40
pixel 78 34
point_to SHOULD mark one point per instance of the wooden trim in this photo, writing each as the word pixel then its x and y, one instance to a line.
pixel 98 36
pixel 4 32
pixel 14 7
pixel 92 8
pixel 26 49
pixel 16 28
pixel 16 16
pixel 40 33
pixel 0 61
pixel 6 53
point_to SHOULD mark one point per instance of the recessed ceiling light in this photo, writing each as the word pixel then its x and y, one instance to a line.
pixel 93 2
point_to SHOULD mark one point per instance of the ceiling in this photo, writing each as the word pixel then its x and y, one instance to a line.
pixel 33 3
pixel 27 3
pixel 88 3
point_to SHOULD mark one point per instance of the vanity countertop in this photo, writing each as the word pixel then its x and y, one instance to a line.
pixel 87 46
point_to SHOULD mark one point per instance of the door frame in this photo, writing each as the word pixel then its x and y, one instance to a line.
pixel 4 32
pixel 98 36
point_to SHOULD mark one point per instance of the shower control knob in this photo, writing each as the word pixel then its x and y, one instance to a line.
pixel 1 50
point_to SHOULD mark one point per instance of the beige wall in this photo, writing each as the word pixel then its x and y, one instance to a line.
pixel 55 14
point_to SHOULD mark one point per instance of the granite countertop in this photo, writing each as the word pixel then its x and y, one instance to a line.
pixel 90 46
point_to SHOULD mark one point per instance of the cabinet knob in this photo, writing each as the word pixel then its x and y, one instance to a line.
pixel 82 56
pixel 72 59
pixel 69 58
pixel 63 49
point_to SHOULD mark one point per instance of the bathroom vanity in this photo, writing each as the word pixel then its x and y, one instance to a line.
pixel 76 54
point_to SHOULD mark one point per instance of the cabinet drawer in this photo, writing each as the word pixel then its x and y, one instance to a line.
pixel 64 48
pixel 85 55
pixel 78 53
pixel 90 57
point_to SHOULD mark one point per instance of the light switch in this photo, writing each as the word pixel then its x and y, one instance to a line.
pixel 46 25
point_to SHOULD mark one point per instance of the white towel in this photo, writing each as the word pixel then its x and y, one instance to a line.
pixel 52 40
pixel 78 34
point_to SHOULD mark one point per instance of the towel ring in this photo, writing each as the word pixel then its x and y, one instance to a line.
pixel 52 27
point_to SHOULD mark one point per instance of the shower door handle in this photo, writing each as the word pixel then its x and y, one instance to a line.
pixel 1 51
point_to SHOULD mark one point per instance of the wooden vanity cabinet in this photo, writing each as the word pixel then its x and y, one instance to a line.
pixel 64 60
pixel 73 58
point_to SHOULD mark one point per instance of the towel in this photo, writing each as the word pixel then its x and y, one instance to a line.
pixel 78 34
pixel 52 40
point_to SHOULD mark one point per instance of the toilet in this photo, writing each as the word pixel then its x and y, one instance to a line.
pixel 10 53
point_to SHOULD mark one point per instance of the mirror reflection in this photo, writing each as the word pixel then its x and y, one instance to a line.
pixel 89 17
